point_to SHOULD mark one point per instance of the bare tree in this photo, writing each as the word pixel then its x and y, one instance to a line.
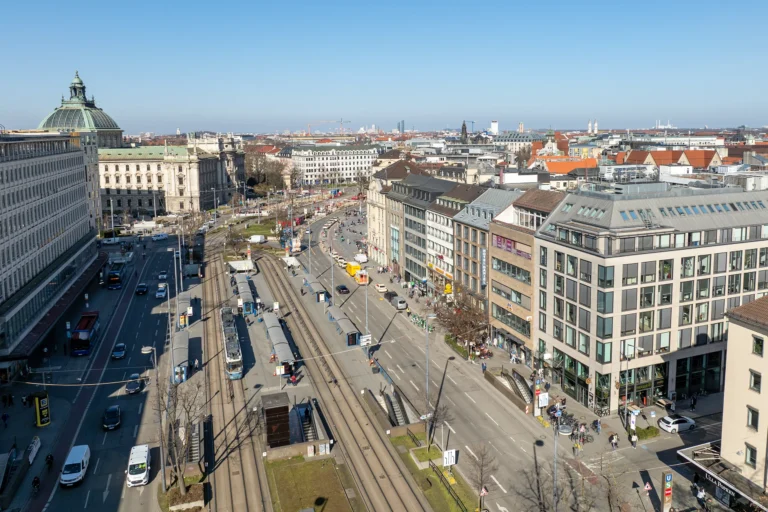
pixel 522 156
pixel 461 317
pixel 182 406
pixel 439 410
pixel 481 466
pixel 236 241
pixel 536 491
pixel 295 177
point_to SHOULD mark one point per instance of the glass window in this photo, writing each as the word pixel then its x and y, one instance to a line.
pixel 646 321
pixel 543 256
pixel 702 312
pixel 629 299
pixel 570 336
pixel 604 327
pixel 665 318
pixel 665 294
pixel 718 286
pixel 734 283
pixel 571 266
pixel 757 346
pixel 543 278
pixel 721 262
pixel 629 276
pixel 559 261
pixel 628 324
pixel 735 261
pixel 750 455
pixel 704 265
pixel 665 270
pixel 648 272
pixel 686 291
pixel 750 259
pixel 662 342
pixel 686 267
pixel 584 319
pixel 749 281
pixel 628 349
pixel 646 296
pixel 604 350
pixel 559 284
pixel 753 418
pixel 604 302
pixel 585 271
pixel 585 295
pixel 604 276
pixel 542 300
pixel 557 330
pixel 755 380
pixel 686 315
pixel 702 289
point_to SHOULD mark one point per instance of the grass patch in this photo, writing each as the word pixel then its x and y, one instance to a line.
pixel 456 346
pixel 423 456
pixel 296 484
pixel 265 228
pixel 430 484
pixel 172 497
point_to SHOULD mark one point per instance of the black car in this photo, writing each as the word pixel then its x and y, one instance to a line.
pixel 111 418
pixel 119 351
pixel 134 384
pixel 142 289
pixel 343 290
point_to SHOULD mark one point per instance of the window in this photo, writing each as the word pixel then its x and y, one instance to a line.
pixel 735 261
pixel 570 313
pixel 753 418
pixel 557 330
pixel 542 322
pixel 628 349
pixel 585 295
pixel 702 312
pixel 604 352
pixel 665 270
pixel 542 300
pixel 570 336
pixel 704 265
pixel 648 272
pixel 510 270
pixel 721 261
pixel 718 288
pixel 543 256
pixel 627 245
pixel 686 267
pixel 665 318
pixel 629 299
pixel 750 259
pixel 629 275
pixel 571 266
pixel 750 455
pixel 585 271
pixel 686 291
pixel 559 284
pixel 702 289
pixel 584 319
pixel 665 294
pixel 583 343
pixel 757 346
pixel 604 276
pixel 646 296
pixel 542 278
pixel 755 380
pixel 662 342
pixel 646 321
pixel 570 289
pixel 559 261
pixel 604 302
pixel 749 282
pixel 686 315
pixel 734 283
pixel 628 324
pixel 604 327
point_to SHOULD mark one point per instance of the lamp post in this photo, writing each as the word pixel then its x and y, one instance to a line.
pixel 626 391
pixel 152 350
pixel 215 204
pixel 426 341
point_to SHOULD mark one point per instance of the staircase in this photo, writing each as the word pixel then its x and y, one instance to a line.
pixel 308 427
pixel 398 413
pixel 194 451
pixel 520 386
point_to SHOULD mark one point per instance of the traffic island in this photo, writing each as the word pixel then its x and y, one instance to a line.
pixel 192 501
pixel 317 484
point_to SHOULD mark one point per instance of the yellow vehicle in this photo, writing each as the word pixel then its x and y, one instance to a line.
pixel 353 268
pixel 361 278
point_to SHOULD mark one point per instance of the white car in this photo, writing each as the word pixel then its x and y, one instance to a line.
pixel 162 291
pixel 380 288
pixel 675 423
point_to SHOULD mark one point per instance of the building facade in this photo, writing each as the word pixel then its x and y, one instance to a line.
pixel 46 237
pixel 231 164
pixel 634 285
pixel 440 257
pixel 512 272
pixel 162 179
pixel 333 164
pixel 471 234
pixel 514 141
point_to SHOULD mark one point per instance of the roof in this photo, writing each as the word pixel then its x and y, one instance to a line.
pixel 540 200
pixel 398 171
pixel 146 153
pixel 620 156
pixel 480 212
pixel 636 157
pixel 78 113
pixel 755 312
pixel 700 158
pixel 666 157
pixel 566 167
pixel 392 154
pixel 350 147
pixel 268 149
pixel 518 137
pixel 462 194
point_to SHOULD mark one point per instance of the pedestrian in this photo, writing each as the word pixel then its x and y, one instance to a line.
pixel 575 449
pixel 293 379
pixel 696 480
pixel 5 418
pixel 693 404
pixel 484 367
pixel 634 440
pixel 695 401
pixel 701 496
pixel 599 426
pixel 197 365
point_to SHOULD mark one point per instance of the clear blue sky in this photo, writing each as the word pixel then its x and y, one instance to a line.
pixel 264 66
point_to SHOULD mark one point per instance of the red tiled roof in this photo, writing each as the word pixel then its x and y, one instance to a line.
pixel 700 158
pixel 620 156
pixel 540 200
pixel 731 160
pixel 566 167
pixel 324 141
pixel 636 157
pixel 755 312
pixel 666 157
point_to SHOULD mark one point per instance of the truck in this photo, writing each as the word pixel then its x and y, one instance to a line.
pixel 83 336
pixel 353 268
pixel 361 278
pixel 257 239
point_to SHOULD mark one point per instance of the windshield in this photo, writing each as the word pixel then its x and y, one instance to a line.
pixel 71 468
pixel 234 367
pixel 137 469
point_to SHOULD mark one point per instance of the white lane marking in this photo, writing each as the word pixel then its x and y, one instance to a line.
pixel 501 509
pixel 451 379
pixel 106 489
pixel 129 361
pixel 135 431
pixel 137 335
pixel 449 427
pixel 437 365
pixel 140 406
pixel 513 439
pixel 473 400
pixel 96 466
pixel 418 366
pixel 471 452
pixel 105 438
pixel 493 420
pixel 497 483
pixel 414 385
pixel 139 327
pixel 158 321
pixel 389 356
pixel 435 383
pixel 422 350
pixel 449 399
pixel 86 499
pixel 122 495
pixel 155 332
pixel 398 367
pixel 393 373
pixel 133 347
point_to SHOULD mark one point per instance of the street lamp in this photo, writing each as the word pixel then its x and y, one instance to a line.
pixel 426 340
pixel 153 351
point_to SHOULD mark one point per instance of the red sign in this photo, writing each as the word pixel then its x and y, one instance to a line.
pixel 668 492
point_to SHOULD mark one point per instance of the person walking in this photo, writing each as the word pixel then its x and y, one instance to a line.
pixel 484 367
pixel 695 400
pixel 197 365
pixel 634 440
pixel 599 426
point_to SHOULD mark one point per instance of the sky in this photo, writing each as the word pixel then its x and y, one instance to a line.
pixel 273 66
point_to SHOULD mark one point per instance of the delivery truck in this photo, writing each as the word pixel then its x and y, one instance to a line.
pixel 353 268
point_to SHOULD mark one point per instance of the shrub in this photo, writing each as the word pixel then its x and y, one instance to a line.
pixel 646 433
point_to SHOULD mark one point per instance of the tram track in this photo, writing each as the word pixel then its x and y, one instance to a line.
pixel 383 481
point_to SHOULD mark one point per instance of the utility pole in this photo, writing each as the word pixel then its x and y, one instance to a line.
pixel 366 302
pixel 181 268
pixel 112 216
pixel 426 351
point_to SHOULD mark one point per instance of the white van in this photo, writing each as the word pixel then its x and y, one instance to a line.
pixel 160 236
pixel 76 465
pixel 138 466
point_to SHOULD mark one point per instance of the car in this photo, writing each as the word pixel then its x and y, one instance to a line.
pixel 119 351
pixel 162 292
pixel 163 276
pixel 380 288
pixel 674 423
pixel 134 384
pixel 342 289
pixel 176 254
pixel 142 289
pixel 111 418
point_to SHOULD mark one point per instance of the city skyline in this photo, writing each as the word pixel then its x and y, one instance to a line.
pixel 626 68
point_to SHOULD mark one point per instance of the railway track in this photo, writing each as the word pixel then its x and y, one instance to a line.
pixel 383 481
pixel 237 477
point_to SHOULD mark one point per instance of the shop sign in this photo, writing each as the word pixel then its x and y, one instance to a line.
pixel 719 484
pixel 484 271
pixel 666 482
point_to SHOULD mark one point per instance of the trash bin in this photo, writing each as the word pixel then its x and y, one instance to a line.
pixel 375 369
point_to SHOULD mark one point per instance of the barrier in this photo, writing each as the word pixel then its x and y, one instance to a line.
pixel 448 487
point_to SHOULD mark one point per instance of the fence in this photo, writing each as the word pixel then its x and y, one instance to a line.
pixel 448 487
pixel 413 437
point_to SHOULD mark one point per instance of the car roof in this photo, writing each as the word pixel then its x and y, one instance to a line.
pixel 120 345
pixel 77 453
pixel 113 408
pixel 138 454
pixel 135 375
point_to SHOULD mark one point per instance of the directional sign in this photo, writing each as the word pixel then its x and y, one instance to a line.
pixel 449 458
pixel 648 486
pixel 365 340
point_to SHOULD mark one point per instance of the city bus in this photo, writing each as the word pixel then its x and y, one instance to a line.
pixel 115 276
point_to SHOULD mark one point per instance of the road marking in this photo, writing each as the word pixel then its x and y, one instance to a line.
pixel 96 466
pixel 135 431
pixel 106 489
pixel 86 499
pixel 389 356
pixel 418 366
pixel 105 438
pixel 394 373
pixel 158 321
pixel 398 367
pixel 140 321
pixel 513 439
pixel 435 383
pixel 449 399
pixel 451 379
pixel 449 427
pixel 129 361
pixel 155 332
pixel 140 406
pixel 422 350
pixel 133 347
pixel 414 385
pixel 473 400
pixel 497 483
pixel 471 452
pixel 438 366
pixel 137 335
pixel 493 420
pixel 501 509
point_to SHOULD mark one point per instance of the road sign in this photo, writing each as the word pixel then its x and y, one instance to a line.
pixel 365 340
pixel 543 400
pixel 666 478
pixel 449 458
pixel 484 491
pixel 648 486
pixel 190 311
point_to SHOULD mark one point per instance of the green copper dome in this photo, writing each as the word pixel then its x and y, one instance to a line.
pixel 78 112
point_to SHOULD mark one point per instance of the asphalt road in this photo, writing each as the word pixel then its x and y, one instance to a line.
pixel 145 324
pixel 478 414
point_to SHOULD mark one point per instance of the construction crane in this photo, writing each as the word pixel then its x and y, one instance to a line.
pixel 342 122
pixel 473 126
pixel 309 125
